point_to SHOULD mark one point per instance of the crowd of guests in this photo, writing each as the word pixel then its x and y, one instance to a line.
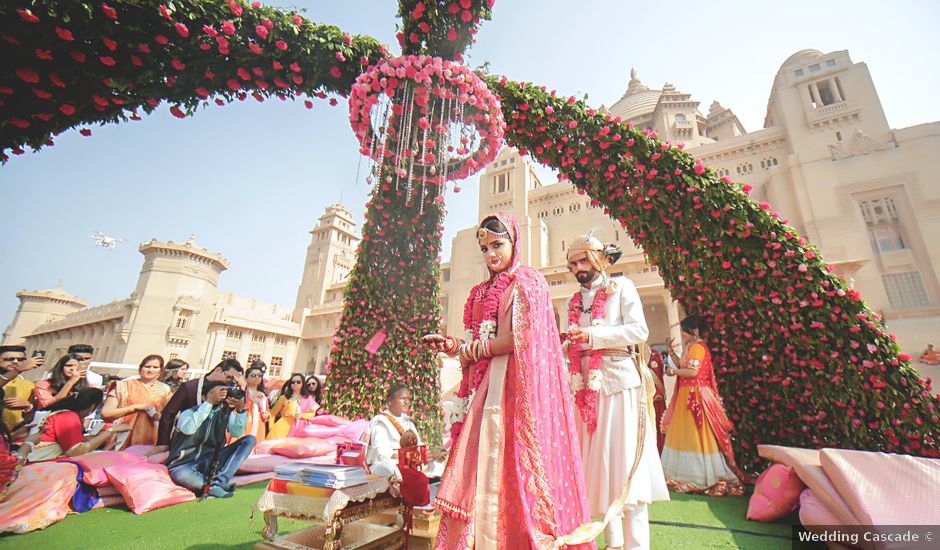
pixel 210 424
pixel 207 425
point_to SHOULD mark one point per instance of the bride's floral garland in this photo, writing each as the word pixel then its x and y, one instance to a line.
pixel 586 397
pixel 480 323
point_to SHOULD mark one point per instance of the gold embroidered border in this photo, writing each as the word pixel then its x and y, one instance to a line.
pixel 452 508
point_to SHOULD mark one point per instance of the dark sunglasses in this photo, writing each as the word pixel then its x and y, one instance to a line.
pixel 14 359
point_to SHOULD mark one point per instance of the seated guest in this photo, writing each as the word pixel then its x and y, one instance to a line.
pixel 315 389
pixel 85 353
pixel 18 390
pixel 68 377
pixel 61 433
pixel 256 402
pixel 190 394
pixel 32 496
pixel 138 402
pixel 389 431
pixel 199 459
pixel 8 437
pixel 295 403
pixel 930 356
pixel 174 373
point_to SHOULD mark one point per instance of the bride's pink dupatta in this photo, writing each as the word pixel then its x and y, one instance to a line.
pixel 542 494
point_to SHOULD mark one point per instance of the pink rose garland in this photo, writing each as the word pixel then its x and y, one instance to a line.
pixel 487 294
pixel 585 397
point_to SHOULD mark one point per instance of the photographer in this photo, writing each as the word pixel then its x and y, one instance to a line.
pixel 189 395
pixel 199 459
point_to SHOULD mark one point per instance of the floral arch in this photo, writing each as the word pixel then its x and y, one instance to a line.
pixel 801 359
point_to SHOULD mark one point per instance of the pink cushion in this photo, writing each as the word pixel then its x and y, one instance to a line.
pixel 94 464
pixel 883 488
pixel 255 464
pixel 329 420
pixel 805 462
pixel 147 487
pixel 303 447
pixel 303 429
pixel 354 430
pixel 141 450
pixel 776 493
pixel 814 512
pixel 264 447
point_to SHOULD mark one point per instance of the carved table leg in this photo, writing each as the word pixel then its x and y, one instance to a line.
pixel 270 526
pixel 332 536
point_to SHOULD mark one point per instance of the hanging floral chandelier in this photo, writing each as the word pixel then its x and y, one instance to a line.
pixel 424 120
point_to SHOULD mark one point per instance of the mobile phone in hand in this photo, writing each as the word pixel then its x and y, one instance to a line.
pixel 94 427
pixel 39 353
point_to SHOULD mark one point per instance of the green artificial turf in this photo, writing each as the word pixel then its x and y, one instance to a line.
pixel 687 521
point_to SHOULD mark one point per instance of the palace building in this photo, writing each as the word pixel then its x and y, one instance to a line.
pixel 866 194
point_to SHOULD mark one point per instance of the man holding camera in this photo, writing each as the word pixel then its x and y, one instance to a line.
pixel 190 395
pixel 199 459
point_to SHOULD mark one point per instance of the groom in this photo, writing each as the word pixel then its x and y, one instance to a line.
pixel 605 321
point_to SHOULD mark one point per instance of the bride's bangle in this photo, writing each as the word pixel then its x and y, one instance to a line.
pixel 453 346
pixel 485 351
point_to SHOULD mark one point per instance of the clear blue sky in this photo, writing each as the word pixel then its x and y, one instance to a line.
pixel 251 179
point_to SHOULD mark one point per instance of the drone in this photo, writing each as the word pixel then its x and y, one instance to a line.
pixel 105 241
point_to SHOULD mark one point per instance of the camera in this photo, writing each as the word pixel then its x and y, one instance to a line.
pixel 234 391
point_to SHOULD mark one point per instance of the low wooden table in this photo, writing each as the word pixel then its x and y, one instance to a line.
pixel 332 507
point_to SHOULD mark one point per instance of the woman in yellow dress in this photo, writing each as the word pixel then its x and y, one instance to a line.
pixel 138 402
pixel 697 456
pixel 295 402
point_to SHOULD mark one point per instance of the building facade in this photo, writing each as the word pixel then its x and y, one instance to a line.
pixel 826 159
pixel 176 310
pixel 864 193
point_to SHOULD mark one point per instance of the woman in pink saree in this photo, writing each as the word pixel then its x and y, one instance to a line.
pixel 514 478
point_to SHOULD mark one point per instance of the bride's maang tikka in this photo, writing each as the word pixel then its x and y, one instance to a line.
pixel 483 232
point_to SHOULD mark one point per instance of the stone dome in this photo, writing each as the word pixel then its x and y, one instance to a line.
pixel 637 101
pixel 801 57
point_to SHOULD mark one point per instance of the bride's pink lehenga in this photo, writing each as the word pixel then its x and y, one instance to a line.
pixel 514 476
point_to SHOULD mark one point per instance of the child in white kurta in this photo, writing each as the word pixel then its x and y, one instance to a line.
pixel 385 433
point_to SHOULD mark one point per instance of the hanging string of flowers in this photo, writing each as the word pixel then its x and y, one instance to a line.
pixel 801 359
pixel 425 119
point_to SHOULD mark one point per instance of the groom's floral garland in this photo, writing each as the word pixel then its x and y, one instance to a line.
pixel 586 397
pixel 480 323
